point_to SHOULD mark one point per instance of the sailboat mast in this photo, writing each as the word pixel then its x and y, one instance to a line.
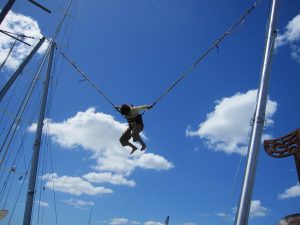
pixel 38 137
pixel 20 69
pixel 259 120
pixel 37 143
pixel 6 9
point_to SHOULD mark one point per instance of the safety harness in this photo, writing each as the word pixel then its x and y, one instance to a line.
pixel 136 120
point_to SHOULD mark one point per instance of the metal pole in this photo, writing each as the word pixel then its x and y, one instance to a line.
pixel 257 129
pixel 6 9
pixel 37 144
pixel 297 155
pixel 20 69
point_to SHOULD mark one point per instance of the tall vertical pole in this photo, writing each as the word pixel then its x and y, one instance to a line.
pixel 37 143
pixel 20 69
pixel 242 215
pixel 6 9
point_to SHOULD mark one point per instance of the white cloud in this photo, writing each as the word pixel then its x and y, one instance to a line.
pixel 99 133
pixel 20 24
pixel 153 223
pixel 121 220
pixel 152 161
pixel 256 209
pixel 295 54
pixel 116 221
pixel 73 185
pixel 78 203
pixel 291 192
pixel 226 128
pixel 221 214
pixel 228 216
pixel 42 203
pixel 108 177
pixel 291 36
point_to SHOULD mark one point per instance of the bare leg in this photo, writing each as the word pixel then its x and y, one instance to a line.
pixel 124 140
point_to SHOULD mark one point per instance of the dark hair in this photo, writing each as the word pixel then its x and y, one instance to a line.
pixel 125 109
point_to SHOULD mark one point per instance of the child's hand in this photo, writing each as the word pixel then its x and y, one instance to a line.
pixel 150 107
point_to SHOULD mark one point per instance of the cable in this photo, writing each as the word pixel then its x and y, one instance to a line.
pixel 9 52
pixel 184 74
pixel 86 78
pixel 239 167
pixel 215 45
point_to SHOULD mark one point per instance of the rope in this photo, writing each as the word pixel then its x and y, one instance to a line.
pixel 53 185
pixel 184 74
pixel 215 45
pixel 238 168
pixel 85 77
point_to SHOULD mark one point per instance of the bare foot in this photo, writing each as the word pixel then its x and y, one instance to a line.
pixel 143 147
pixel 133 150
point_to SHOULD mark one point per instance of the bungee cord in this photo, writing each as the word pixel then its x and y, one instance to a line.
pixel 86 77
pixel 216 43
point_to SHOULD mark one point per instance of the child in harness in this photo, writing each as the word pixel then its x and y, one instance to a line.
pixel 135 125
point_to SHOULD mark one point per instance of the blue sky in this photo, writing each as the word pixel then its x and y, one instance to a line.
pixel 197 135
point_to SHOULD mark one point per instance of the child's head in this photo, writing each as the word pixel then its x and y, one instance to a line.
pixel 125 109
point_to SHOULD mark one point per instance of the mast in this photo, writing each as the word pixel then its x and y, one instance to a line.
pixel 259 119
pixel 38 137
pixel 6 9
pixel 37 143
pixel 20 69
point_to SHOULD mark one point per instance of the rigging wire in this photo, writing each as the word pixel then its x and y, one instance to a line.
pixel 16 121
pixel 16 38
pixel 214 45
pixel 42 170
pixel 19 115
pixel 24 175
pixel 13 162
pixel 21 147
pixel 90 217
pixel 239 165
pixel 10 188
pixel 5 110
pixel 231 30
pixel 47 141
pixel 53 187
pixel 233 185
pixel 50 21
pixel 86 77
pixel 19 193
pixel 18 35
pixel 9 52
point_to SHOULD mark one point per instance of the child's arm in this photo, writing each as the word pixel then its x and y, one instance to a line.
pixel 142 107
